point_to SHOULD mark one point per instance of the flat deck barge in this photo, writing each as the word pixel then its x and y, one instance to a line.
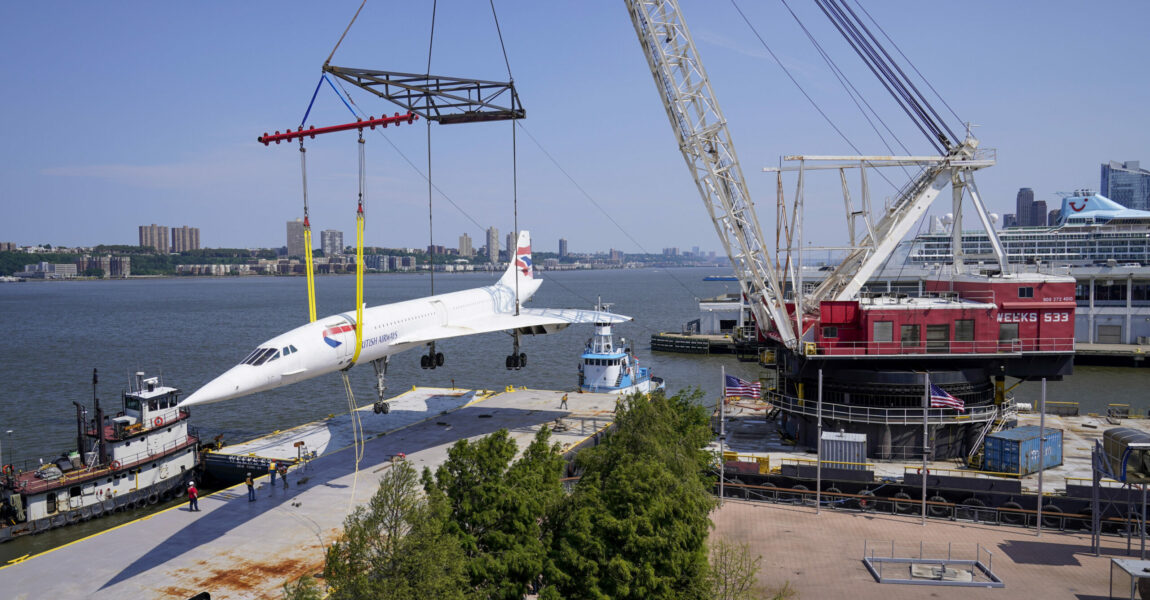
pixel 239 549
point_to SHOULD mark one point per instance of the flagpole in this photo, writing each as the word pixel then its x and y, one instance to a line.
pixel 819 451
pixel 925 440
pixel 722 436
pixel 1041 451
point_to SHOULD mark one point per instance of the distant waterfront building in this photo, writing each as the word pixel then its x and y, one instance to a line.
pixel 7 246
pixel 185 238
pixel 1009 220
pixel 378 262
pixel 1024 207
pixel 331 241
pixel 510 245
pixel 46 270
pixel 492 245
pixel 154 236
pixel 295 246
pixel 562 248
pixel 1055 214
pixel 465 249
pixel 1038 214
pixel 670 251
pixel 1127 184
pixel 117 267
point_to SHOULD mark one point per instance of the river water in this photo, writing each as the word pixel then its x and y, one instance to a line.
pixel 191 329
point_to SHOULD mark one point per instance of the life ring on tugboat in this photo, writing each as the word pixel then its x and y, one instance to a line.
pixel 115 465
pixel 9 469
pixel 158 422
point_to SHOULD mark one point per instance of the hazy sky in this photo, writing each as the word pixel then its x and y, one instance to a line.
pixel 117 114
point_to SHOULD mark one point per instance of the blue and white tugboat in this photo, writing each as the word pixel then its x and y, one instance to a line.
pixel 607 368
pixel 133 458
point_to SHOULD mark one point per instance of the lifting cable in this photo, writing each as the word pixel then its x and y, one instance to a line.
pixel 512 253
pixel 430 221
pixel 356 423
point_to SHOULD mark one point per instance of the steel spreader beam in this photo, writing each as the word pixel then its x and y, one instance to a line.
pixel 313 131
pixel 437 98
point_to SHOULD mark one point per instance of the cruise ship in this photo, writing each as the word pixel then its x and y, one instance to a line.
pixel 1091 230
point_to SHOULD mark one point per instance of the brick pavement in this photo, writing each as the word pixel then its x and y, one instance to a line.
pixel 821 555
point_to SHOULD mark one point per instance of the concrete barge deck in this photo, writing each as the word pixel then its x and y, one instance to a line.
pixel 234 548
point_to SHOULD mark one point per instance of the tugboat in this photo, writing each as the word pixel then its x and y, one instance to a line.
pixel 607 368
pixel 144 453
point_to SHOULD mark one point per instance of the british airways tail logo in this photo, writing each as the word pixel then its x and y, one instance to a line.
pixel 523 260
pixel 331 331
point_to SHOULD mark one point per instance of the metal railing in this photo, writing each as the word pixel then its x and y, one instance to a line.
pixel 898 348
pixel 84 473
pixel 881 416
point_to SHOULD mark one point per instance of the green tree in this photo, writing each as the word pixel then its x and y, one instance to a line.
pixel 734 572
pixel 304 588
pixel 498 509
pixel 636 525
pixel 397 547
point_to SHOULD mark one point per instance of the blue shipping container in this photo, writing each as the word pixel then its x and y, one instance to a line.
pixel 1016 450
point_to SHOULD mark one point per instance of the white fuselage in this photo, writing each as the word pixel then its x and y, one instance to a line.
pixel 328 344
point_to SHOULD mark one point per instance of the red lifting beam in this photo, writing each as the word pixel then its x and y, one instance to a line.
pixel 312 131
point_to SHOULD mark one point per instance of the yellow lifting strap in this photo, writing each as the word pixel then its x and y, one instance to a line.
pixel 307 236
pixel 358 284
pixel 310 270
pixel 359 259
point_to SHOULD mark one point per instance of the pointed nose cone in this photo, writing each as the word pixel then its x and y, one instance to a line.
pixel 231 384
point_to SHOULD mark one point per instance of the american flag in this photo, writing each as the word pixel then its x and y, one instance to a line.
pixel 738 387
pixel 940 399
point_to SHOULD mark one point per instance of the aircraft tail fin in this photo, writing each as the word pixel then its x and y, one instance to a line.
pixel 520 266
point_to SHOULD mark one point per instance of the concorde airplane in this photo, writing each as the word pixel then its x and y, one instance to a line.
pixel 328 345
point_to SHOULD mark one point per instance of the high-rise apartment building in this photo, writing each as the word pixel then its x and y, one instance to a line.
pixel 331 241
pixel 185 238
pixel 1126 183
pixel 155 236
pixel 295 246
pixel 510 245
pixel 492 245
pixel 562 248
pixel 465 249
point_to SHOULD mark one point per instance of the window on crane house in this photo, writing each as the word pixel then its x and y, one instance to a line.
pixel 883 331
pixel 1026 292
pixel 910 334
pixel 964 330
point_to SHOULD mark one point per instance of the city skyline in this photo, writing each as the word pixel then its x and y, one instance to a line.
pixel 137 157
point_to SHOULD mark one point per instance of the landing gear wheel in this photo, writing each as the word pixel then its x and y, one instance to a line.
pixel 439 359
pixel 510 362
pixel 522 359
pixel 385 408
pixel 423 362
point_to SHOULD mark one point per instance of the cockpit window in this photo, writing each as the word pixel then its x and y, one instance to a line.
pixel 293 348
pixel 251 356
pixel 268 356
pixel 260 356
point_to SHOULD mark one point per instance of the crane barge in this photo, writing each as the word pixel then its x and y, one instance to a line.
pixel 869 360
